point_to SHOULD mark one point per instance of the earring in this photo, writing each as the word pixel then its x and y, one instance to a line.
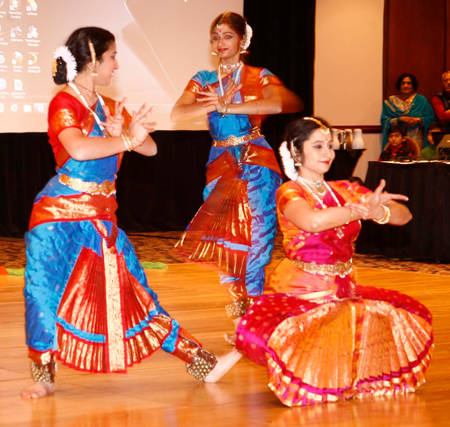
pixel 297 164
pixel 214 53
pixel 94 72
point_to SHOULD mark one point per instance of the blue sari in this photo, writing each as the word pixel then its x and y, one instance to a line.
pixel 87 299
pixel 419 107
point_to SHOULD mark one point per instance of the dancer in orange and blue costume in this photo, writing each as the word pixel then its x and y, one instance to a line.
pixel 88 303
pixel 234 229
pixel 323 337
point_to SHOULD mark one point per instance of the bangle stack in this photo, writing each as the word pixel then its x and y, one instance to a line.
pixel 223 109
pixel 130 141
pixel 350 218
pixel 386 216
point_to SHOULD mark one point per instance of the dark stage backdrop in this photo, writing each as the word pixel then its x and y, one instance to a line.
pixel 165 191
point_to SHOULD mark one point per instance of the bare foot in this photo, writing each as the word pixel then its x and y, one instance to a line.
pixel 38 390
pixel 230 338
pixel 224 364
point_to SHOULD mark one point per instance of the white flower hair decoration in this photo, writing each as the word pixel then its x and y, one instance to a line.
pixel 71 65
pixel 247 37
pixel 288 162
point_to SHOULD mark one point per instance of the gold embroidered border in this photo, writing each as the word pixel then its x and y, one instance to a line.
pixel 106 189
pixel 338 269
pixel 237 140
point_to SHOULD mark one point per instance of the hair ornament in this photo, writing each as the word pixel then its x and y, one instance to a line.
pixel 93 58
pixel 247 37
pixel 65 54
pixel 323 128
pixel 288 162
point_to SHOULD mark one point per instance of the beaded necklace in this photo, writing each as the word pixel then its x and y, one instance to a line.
pixel 83 99
pixel 219 77
pixel 301 180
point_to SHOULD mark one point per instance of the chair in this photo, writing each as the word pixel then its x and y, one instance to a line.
pixel 411 144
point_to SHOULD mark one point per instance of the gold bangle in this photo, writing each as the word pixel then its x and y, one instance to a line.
pixel 127 142
pixel 134 141
pixel 350 218
pixel 386 216
pixel 224 111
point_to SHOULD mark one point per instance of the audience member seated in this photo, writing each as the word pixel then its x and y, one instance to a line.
pixel 430 151
pixel 399 145
pixel 441 102
pixel 409 109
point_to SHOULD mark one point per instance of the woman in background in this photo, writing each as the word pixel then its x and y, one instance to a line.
pixel 235 227
pixel 409 109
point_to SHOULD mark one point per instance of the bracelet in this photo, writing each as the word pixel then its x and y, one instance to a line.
pixel 135 142
pixel 127 142
pixel 350 218
pixel 386 216
pixel 224 112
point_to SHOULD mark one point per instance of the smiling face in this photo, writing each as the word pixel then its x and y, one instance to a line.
pixel 226 43
pixel 106 66
pixel 406 86
pixel 317 156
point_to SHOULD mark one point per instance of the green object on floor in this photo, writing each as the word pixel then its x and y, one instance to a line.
pixel 16 271
pixel 154 265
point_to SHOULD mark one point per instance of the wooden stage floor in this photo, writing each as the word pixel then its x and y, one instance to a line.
pixel 158 392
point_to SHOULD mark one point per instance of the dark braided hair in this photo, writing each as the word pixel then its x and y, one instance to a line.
pixel 78 45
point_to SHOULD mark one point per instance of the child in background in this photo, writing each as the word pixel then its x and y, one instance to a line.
pixel 430 151
pixel 397 144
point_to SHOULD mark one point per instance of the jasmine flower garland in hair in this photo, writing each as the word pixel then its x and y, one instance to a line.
pixel 71 65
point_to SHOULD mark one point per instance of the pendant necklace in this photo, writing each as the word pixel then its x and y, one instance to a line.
pixel 83 99
pixel 303 181
pixel 317 184
pixel 219 76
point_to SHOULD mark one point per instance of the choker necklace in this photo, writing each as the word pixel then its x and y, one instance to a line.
pixel 230 66
pixel 317 184
pixel 303 181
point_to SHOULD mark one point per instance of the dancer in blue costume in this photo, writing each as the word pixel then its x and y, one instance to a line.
pixel 234 229
pixel 88 303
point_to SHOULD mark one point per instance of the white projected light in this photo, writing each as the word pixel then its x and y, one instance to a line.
pixel 161 45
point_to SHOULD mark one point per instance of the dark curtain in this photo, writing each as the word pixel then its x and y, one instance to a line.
pixel 284 43
pixel 427 236
pixel 154 193
pixel 165 191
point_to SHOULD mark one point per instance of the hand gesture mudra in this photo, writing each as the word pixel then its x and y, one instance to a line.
pixel 211 97
pixel 114 123
pixel 372 208
pixel 140 125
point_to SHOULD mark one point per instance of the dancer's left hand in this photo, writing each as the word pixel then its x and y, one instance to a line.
pixel 114 123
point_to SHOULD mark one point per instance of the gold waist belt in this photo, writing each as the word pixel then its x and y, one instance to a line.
pixel 339 269
pixel 237 140
pixel 106 189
